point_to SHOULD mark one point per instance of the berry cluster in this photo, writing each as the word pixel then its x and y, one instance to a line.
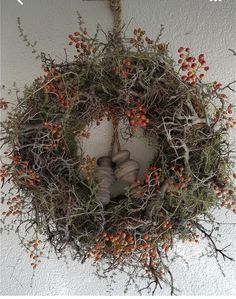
pixel 137 117
pixel 113 244
pixel 149 256
pixel 178 181
pixel 88 168
pixel 67 95
pixel 227 195
pixel 222 96
pixel 35 252
pixel 104 112
pixel 4 173
pixel 225 115
pixel 138 38
pixel 230 121
pixel 82 134
pixel 51 73
pixel 165 240
pixel 3 104
pixel 122 244
pixel 162 47
pixel 216 85
pixel 23 173
pixel 83 43
pixel 14 206
pixel 123 69
pixel 152 174
pixel 55 131
pixel 191 235
pixel 191 65
pixel 166 224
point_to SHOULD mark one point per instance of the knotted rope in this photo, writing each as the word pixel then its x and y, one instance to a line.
pixel 115 138
pixel 115 6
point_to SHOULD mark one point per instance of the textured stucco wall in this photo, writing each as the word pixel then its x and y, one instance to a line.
pixel 205 26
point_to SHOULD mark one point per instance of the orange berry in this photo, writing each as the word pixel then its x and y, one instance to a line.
pixel 131 239
pixel 123 235
pixel 181 49
pixel 154 253
pixel 143 117
pixel 144 256
pixel 127 252
pixel 146 246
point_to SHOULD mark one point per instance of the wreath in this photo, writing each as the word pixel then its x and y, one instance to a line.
pixel 64 195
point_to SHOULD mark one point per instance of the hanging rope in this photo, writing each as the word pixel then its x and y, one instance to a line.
pixel 115 6
pixel 115 138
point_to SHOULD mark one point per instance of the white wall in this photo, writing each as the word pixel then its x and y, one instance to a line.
pixel 207 27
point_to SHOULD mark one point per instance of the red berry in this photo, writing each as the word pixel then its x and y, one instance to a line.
pixel 187 50
pixel 180 49
pixel 143 117
pixel 222 95
pixel 180 61
pixel 206 68
pixel 189 59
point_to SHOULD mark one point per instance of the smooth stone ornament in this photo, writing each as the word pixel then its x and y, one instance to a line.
pixel 126 170
pixel 105 178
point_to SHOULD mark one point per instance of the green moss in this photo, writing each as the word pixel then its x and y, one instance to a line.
pixel 71 125
pixel 191 203
pixel 211 153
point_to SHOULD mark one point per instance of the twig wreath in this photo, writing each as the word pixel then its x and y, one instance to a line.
pixel 59 193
